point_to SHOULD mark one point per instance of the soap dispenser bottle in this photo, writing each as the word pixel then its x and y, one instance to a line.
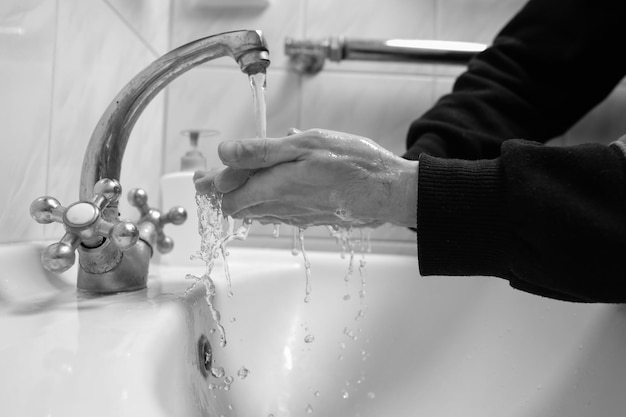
pixel 177 189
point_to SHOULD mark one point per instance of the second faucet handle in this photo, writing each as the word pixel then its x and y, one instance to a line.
pixel 137 197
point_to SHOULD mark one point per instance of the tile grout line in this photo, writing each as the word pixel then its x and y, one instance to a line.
pixel 132 29
pixel 166 95
pixel 51 110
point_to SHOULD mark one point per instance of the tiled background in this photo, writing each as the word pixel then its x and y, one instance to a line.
pixel 62 61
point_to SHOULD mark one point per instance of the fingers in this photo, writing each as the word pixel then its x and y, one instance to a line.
pixel 258 153
pixel 204 181
pixel 231 178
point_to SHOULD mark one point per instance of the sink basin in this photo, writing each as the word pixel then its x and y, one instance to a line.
pixel 66 353
pixel 443 346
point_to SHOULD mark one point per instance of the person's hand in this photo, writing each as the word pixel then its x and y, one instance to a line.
pixel 316 177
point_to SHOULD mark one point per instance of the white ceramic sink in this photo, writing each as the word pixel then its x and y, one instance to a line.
pixel 426 346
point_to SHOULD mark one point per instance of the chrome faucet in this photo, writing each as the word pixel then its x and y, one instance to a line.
pixel 308 56
pixel 115 254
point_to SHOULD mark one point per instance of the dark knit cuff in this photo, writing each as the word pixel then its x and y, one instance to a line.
pixel 462 223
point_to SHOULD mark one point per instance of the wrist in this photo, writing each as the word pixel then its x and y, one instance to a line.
pixel 402 209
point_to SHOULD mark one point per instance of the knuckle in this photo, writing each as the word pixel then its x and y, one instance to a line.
pixel 318 133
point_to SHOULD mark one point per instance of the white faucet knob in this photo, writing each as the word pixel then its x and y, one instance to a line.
pixel 81 214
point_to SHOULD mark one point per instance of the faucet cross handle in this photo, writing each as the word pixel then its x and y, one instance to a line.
pixel 137 197
pixel 84 224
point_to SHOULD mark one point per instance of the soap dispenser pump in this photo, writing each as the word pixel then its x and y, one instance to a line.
pixel 177 189
pixel 193 160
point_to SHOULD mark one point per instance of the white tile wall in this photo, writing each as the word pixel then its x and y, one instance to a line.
pixel 148 19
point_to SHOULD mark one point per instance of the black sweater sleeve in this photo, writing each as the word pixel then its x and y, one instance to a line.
pixel 550 220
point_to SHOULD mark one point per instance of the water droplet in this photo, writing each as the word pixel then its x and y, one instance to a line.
pixel 349 333
pixel 309 338
pixel 317 393
pixel 243 372
pixel 229 380
pixel 344 394
pixel 276 231
pixel 294 244
pixel 309 409
pixel 217 372
pixel 371 395
pixel 346 297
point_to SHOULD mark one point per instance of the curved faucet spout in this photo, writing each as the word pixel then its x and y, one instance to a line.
pixel 103 158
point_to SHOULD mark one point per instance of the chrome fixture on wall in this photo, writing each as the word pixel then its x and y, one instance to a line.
pixel 308 56
pixel 114 254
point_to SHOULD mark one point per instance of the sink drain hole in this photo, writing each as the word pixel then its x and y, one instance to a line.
pixel 205 356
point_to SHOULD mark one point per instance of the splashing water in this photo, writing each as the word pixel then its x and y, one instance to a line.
pixel 215 233
pixel 243 372
pixel 297 248
pixel 349 245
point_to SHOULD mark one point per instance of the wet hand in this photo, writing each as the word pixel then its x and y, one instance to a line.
pixel 316 177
